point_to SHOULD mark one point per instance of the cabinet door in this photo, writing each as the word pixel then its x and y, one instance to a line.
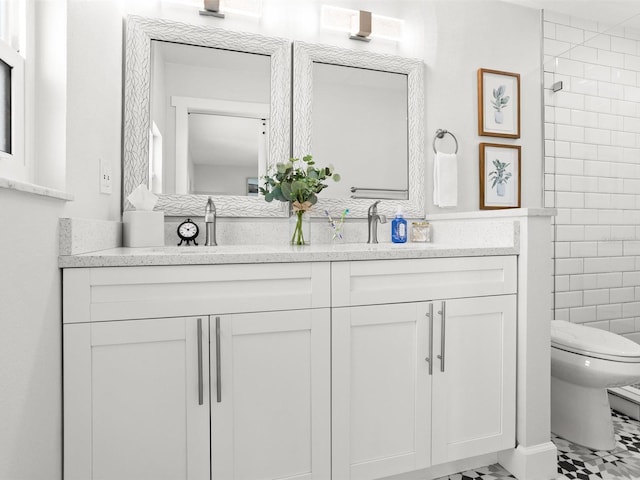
pixel 270 395
pixel 381 390
pixel 132 403
pixel 474 378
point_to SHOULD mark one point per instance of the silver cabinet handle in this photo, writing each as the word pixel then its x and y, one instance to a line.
pixel 218 369
pixel 443 316
pixel 428 359
pixel 200 372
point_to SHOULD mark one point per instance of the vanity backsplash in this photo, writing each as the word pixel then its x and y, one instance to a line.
pixel 467 230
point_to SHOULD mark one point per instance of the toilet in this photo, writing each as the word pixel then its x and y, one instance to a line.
pixel 585 361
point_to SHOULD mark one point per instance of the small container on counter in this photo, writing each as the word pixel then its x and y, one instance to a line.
pixel 399 228
pixel 420 232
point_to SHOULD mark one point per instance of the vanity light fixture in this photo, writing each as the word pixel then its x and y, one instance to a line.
pixel 218 8
pixel 361 25
pixel 362 28
pixel 212 9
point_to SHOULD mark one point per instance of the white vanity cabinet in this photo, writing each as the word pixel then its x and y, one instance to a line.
pixel 137 396
pixel 136 400
pixel 302 370
pixel 271 395
pixel 381 390
pixel 474 385
pixel 419 381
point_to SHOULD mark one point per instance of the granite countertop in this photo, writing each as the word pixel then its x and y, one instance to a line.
pixel 88 243
pixel 229 254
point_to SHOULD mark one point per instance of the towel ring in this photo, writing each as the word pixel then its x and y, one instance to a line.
pixel 440 133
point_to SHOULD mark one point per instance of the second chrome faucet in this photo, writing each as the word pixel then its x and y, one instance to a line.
pixel 373 218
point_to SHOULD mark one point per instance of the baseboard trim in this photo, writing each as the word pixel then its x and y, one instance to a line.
pixel 538 462
pixel 624 402
pixel 458 466
pixel 446 469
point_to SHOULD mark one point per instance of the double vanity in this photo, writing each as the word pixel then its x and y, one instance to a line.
pixel 345 361
pixel 348 361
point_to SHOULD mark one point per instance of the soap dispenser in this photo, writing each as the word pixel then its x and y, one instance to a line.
pixel 399 228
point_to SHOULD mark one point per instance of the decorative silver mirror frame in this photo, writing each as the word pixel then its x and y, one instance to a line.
pixel 140 31
pixel 304 54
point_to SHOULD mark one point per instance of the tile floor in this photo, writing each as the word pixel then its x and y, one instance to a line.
pixel 576 462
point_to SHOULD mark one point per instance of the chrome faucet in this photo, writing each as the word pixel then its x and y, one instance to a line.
pixel 372 219
pixel 210 223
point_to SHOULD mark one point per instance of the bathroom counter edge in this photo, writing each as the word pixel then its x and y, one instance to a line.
pixel 244 254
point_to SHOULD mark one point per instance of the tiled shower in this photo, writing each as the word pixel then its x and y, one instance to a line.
pixel 592 169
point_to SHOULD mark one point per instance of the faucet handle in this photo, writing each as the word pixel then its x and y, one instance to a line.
pixel 383 218
pixel 210 211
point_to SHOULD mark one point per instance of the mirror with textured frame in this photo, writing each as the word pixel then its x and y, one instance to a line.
pixel 391 86
pixel 142 135
pixel 376 143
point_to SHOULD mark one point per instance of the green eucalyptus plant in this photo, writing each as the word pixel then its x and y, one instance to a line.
pixel 297 182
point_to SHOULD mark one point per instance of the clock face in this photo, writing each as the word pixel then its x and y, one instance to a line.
pixel 188 230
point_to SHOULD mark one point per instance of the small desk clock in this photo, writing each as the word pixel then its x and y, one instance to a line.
pixel 188 231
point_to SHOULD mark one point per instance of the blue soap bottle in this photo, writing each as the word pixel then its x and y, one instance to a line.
pixel 399 228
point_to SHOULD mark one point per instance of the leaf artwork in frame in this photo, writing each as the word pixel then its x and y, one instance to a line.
pixel 499 176
pixel 498 103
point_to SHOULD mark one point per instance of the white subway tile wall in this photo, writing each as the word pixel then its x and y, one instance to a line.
pixel 592 171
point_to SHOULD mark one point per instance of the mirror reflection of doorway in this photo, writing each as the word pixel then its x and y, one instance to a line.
pixel 206 102
pixel 223 152
pixel 218 144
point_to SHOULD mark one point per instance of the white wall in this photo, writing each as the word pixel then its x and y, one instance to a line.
pixel 48 125
pixel 94 105
pixel 463 36
pixel 593 171
pixel 453 38
pixel 30 344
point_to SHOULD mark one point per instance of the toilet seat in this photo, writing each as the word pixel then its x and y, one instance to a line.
pixel 593 342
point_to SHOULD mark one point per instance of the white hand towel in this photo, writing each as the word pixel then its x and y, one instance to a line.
pixel 445 180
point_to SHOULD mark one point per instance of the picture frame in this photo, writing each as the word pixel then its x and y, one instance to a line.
pixel 252 186
pixel 498 103
pixel 500 177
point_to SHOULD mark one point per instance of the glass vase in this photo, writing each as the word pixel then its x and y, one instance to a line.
pixel 300 228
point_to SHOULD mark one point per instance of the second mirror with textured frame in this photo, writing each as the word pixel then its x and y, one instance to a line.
pixel 408 158
pixel 140 32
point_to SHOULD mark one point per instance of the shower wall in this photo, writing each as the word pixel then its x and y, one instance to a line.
pixel 592 170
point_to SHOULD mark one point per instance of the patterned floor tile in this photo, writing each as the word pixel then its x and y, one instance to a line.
pixel 581 463
pixel 492 472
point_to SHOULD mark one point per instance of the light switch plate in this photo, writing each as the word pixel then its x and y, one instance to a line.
pixel 105 177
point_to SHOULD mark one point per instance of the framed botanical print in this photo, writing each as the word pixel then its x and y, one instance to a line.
pixel 498 103
pixel 499 176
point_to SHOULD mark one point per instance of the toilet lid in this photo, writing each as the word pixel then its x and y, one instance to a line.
pixel 593 342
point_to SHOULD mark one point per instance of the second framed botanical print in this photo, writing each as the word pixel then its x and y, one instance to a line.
pixel 498 103
pixel 499 176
